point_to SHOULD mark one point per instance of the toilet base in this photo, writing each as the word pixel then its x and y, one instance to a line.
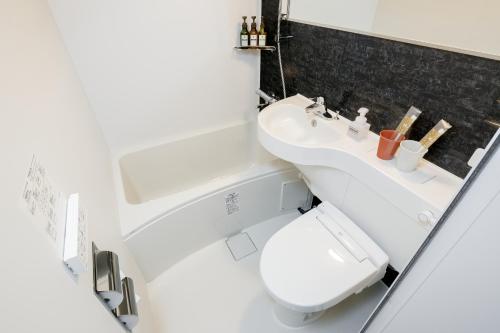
pixel 294 319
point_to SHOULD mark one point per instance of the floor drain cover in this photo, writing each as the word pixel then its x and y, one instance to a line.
pixel 240 246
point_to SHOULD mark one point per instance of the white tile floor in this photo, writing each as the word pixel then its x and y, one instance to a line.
pixel 211 292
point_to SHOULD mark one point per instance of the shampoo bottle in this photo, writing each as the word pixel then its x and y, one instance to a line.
pixel 358 129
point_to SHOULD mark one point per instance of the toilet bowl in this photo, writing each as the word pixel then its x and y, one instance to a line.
pixel 317 261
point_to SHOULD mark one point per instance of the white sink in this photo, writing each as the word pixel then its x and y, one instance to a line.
pixel 289 122
pixel 287 131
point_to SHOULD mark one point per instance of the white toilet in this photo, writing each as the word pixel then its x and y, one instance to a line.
pixel 317 261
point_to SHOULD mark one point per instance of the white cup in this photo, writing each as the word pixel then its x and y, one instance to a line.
pixel 409 155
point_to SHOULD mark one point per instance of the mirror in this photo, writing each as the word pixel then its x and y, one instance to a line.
pixel 466 26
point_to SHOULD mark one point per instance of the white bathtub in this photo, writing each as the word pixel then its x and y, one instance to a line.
pixel 178 197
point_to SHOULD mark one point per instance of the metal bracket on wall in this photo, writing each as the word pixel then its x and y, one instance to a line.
pixel 261 48
pixel 282 38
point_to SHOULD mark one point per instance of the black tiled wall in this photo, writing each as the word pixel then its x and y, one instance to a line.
pixel 388 77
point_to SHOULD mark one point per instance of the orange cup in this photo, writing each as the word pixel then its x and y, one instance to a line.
pixel 388 144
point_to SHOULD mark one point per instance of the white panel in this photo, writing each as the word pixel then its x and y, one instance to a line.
pixel 326 183
pixel 463 290
pixel 292 195
pixel 468 253
pixel 75 238
pixel 396 233
pixel 198 224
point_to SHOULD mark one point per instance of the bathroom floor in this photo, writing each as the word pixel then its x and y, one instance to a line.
pixel 211 292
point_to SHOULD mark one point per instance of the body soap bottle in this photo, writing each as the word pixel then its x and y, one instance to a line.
pixel 262 33
pixel 358 129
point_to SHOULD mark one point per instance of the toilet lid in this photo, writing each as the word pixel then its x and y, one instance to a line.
pixel 306 268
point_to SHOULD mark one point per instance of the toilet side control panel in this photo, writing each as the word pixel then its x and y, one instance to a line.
pixel 342 236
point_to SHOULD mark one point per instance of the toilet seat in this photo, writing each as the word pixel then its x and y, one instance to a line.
pixel 318 260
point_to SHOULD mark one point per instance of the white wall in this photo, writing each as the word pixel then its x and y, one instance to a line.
pixel 453 286
pixel 159 69
pixel 44 111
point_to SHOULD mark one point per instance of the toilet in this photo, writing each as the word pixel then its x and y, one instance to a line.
pixel 315 262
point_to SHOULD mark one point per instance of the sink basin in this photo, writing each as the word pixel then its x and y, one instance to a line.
pixel 289 132
pixel 290 123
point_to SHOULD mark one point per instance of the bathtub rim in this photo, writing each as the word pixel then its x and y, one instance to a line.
pixel 154 210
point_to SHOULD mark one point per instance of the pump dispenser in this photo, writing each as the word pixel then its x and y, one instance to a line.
pixel 358 129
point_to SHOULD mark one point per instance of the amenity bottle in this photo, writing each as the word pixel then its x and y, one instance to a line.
pixel 359 128
pixel 262 33
pixel 244 36
pixel 254 35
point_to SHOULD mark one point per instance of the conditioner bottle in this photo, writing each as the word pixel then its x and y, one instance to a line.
pixel 254 35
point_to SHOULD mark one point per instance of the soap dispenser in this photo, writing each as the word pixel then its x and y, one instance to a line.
pixel 358 129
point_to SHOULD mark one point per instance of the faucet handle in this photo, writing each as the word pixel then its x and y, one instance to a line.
pixel 317 100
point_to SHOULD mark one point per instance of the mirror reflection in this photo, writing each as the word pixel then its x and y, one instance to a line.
pixel 470 26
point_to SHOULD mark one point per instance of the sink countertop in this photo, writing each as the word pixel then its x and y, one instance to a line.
pixel 431 183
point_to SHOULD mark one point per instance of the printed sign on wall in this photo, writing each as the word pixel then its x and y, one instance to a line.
pixel 41 200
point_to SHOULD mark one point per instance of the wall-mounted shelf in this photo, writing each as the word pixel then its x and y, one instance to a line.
pixel 263 48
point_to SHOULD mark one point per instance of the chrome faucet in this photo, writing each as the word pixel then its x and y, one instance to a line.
pixel 318 108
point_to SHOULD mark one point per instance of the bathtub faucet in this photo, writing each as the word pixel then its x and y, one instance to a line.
pixel 268 99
